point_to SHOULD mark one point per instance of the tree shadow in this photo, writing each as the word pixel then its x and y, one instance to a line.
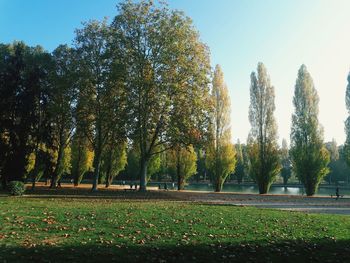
pixel 287 251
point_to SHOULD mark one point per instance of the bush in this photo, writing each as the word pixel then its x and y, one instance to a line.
pixel 16 188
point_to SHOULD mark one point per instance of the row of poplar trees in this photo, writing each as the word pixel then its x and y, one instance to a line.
pixel 308 153
pixel 143 81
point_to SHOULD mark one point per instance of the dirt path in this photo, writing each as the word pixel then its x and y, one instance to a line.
pixel 284 202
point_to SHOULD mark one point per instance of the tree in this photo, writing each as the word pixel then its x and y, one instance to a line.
pixel 133 163
pixel 82 156
pixel 286 171
pixel 62 104
pixel 23 87
pixel 334 157
pixel 167 69
pixel 347 123
pixel 183 161
pixel 262 142
pixel 114 160
pixel 221 159
pixel 309 156
pixel 240 166
pixel 100 88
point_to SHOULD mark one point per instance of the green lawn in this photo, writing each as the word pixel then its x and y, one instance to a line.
pixel 100 230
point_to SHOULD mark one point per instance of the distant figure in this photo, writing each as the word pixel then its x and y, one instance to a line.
pixel 123 183
pixel 59 183
pixel 165 186
pixel 173 185
pixel 337 193
pixel 159 187
pixel 131 185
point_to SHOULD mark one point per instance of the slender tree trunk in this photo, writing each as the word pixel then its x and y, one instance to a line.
pixel 218 184
pixel 56 172
pixel 143 174
pixel 180 179
pixel 97 165
pixel 109 175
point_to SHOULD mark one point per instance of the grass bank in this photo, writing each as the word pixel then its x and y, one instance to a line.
pixel 100 230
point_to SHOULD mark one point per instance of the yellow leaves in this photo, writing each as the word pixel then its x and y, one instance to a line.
pixel 50 220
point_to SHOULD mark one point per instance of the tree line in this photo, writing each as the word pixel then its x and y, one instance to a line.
pixel 138 96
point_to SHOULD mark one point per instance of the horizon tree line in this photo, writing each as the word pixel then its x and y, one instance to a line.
pixel 139 96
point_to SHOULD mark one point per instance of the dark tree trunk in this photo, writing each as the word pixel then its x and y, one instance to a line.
pixel 56 175
pixel 263 186
pixel 97 165
pixel 109 175
pixel 180 179
pixel 143 174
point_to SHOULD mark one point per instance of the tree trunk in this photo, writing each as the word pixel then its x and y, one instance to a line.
pixel 180 179
pixel 263 187
pixel 109 175
pixel 56 172
pixel 97 164
pixel 218 185
pixel 143 174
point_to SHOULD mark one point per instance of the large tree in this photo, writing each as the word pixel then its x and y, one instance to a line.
pixel 100 88
pixel 62 104
pixel 23 105
pixel 221 159
pixel 309 156
pixel 262 142
pixel 167 69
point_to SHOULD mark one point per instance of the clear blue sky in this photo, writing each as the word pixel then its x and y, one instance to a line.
pixel 283 34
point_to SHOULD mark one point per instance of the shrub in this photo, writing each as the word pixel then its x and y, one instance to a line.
pixel 16 188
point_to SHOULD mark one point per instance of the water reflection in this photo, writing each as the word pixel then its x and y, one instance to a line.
pixel 253 189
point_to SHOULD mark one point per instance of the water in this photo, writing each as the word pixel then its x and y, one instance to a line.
pixel 253 189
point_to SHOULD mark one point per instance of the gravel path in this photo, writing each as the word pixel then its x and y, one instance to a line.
pixel 293 203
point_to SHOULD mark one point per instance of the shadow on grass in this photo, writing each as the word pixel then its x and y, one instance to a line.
pixel 288 251
pixel 78 193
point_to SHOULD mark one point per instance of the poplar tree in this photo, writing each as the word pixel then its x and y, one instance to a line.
pixel 309 156
pixel 347 123
pixel 262 141
pixel 221 159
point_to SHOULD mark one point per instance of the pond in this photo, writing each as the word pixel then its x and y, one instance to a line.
pixel 275 189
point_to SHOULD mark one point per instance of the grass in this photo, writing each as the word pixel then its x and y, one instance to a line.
pixel 100 230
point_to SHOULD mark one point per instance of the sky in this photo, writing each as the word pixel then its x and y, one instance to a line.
pixel 283 34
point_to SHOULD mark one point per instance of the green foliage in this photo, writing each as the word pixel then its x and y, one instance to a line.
pixel 81 157
pixel 339 170
pixel 286 171
pixel 133 164
pixel 262 143
pixel 240 166
pixel 167 69
pixel 347 124
pixel 101 88
pixel 309 156
pixel 16 188
pixel 23 105
pixel 114 160
pixel 183 162
pixel 220 153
